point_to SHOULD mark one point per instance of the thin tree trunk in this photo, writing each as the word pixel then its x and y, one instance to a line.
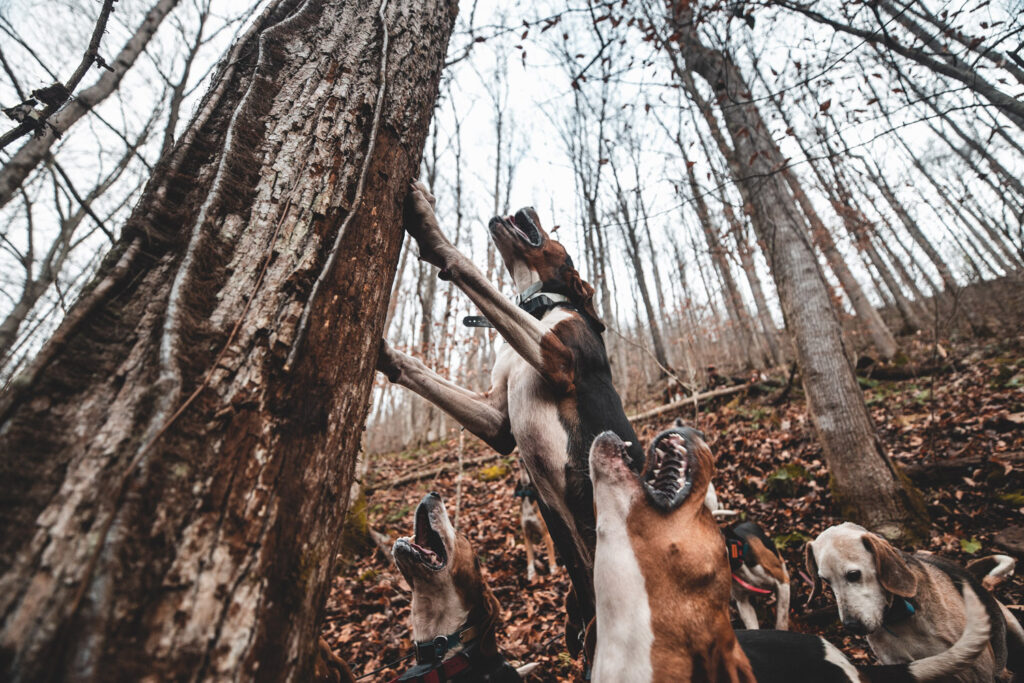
pixel 881 336
pixel 35 151
pixel 733 301
pixel 866 484
pixel 176 463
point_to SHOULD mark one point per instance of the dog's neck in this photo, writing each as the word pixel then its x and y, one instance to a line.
pixel 436 610
pixel 663 602
pixel 624 630
pixel 523 277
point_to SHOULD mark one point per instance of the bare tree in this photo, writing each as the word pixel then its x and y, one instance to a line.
pixel 867 486
pixel 34 152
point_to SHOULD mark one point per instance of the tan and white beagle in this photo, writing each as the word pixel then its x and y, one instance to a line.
pixel 454 615
pixel 662 582
pixel 535 531
pixel 908 606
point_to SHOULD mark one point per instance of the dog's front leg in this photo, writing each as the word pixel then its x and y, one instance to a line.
pixel 485 415
pixel 538 346
pixel 781 606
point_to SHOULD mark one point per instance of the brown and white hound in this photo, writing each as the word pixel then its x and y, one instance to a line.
pixel 662 582
pixel 454 615
pixel 908 606
pixel 551 387
pixel 535 531
pixel 757 569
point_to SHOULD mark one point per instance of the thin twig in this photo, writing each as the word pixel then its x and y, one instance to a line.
pixel 91 56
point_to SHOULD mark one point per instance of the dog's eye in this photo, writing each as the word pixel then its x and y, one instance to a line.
pixel 853 576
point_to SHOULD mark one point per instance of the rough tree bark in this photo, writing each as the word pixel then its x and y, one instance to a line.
pixel 176 463
pixel 866 485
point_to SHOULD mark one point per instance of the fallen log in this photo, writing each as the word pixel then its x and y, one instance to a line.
pixel 899 373
pixel 691 400
pixel 432 472
pixel 952 469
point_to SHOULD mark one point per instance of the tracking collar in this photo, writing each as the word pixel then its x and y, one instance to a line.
pixel 534 300
pixel 901 609
pixel 465 665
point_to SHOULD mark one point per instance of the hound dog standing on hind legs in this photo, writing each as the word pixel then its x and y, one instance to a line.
pixel 551 387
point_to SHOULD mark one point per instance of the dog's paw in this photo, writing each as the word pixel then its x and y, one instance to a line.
pixel 421 223
pixel 388 361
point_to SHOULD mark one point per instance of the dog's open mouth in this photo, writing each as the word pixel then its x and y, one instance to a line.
pixel 426 544
pixel 524 226
pixel 669 476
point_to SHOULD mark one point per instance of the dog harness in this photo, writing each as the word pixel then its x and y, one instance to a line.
pixel 465 666
pixel 533 300
pixel 737 548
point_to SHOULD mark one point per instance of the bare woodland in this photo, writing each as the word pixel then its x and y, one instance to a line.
pixel 202 245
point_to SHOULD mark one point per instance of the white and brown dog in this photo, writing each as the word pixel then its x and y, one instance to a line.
pixel 551 386
pixel 908 606
pixel 535 531
pixel 663 582
pixel 454 614
pixel 757 569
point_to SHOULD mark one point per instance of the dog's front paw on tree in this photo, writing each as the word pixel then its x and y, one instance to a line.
pixel 388 361
pixel 421 222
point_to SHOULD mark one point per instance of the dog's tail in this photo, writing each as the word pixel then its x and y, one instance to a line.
pixel 525 669
pixel 965 651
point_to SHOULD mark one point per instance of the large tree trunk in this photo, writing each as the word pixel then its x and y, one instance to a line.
pixel 867 486
pixel 176 463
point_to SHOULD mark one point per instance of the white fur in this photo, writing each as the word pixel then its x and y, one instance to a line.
pixel 624 631
pixel 539 432
pixel 865 600
pixel 834 656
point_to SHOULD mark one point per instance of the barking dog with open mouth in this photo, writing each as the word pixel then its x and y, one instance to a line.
pixel 454 614
pixel 551 388
pixel 662 580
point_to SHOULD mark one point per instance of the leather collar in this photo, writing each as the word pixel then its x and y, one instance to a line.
pixel 901 609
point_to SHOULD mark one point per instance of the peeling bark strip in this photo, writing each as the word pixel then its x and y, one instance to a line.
pixel 134 545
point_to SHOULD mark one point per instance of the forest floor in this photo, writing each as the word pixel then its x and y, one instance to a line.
pixel 959 435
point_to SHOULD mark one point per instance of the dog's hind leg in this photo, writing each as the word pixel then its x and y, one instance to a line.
pixel 781 606
pixel 524 333
pixel 552 558
pixel 485 415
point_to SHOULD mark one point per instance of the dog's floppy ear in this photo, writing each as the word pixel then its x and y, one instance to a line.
pixel 812 570
pixel 583 295
pixel 893 572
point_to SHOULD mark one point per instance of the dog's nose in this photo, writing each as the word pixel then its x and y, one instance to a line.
pixel 854 626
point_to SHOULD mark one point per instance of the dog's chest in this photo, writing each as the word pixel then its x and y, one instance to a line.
pixel 533 417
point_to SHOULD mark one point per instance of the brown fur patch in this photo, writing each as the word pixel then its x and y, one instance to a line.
pixel 893 572
pixel 683 560
pixel 558 358
pixel 475 593
pixel 771 562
